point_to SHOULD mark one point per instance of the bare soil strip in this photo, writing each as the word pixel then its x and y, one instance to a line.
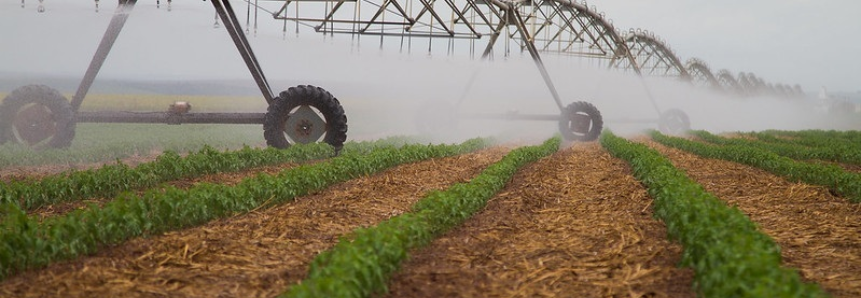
pixel 819 234
pixel 254 255
pixel 576 224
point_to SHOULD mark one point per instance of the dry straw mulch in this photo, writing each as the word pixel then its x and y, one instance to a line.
pixel 819 233
pixel 576 224
pixel 255 255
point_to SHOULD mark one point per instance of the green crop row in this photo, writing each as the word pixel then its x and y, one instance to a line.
pixel 362 262
pixel 110 180
pixel 25 242
pixel 833 152
pixel 850 136
pixel 816 139
pixel 845 184
pixel 730 256
pixel 105 142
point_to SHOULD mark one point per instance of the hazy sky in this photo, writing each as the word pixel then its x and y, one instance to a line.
pixel 812 43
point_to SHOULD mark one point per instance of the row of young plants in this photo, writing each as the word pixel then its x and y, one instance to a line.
pixel 110 180
pixel 25 242
pixel 830 151
pixel 814 135
pixel 728 253
pixel 845 184
pixel 361 263
pixel 815 139
pixel 105 142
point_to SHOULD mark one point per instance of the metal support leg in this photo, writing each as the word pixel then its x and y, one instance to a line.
pixel 511 14
pixel 521 27
pixel 493 37
pixel 468 87
pixel 117 22
pixel 639 73
pixel 649 94
pixel 231 23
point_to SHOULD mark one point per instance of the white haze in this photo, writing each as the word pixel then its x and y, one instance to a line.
pixel 381 90
pixel 808 42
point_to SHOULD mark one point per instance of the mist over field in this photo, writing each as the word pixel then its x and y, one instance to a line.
pixel 387 94
pixel 140 187
pixel 386 86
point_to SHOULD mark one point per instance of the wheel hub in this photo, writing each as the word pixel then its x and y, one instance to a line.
pixel 305 125
pixel 33 124
pixel 581 123
pixel 675 123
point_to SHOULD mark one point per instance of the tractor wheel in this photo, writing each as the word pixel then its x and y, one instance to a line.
pixel 37 116
pixel 581 121
pixel 674 122
pixel 436 118
pixel 303 114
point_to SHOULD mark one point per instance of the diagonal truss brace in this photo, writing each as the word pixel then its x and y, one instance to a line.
pixel 116 25
pixel 231 23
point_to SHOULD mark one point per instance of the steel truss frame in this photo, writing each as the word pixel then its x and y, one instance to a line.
pixel 728 82
pixel 701 74
pixel 123 10
pixel 539 26
pixel 654 57
pixel 561 27
pixel 551 26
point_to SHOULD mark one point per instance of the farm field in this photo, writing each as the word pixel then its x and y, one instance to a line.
pixel 470 220
pixel 622 168
pixel 817 231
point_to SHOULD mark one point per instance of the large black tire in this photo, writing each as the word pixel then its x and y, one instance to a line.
pixel 674 122
pixel 581 121
pixel 53 128
pixel 274 130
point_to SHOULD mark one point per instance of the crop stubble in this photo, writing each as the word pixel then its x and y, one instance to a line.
pixel 253 255
pixel 576 224
pixel 818 232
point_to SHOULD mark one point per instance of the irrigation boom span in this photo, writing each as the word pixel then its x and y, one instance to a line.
pixel 39 116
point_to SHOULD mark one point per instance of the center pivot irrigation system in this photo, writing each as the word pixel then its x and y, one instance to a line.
pixel 39 116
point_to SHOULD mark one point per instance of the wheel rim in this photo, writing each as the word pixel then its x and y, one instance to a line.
pixel 580 123
pixel 305 125
pixel 34 124
pixel 675 124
